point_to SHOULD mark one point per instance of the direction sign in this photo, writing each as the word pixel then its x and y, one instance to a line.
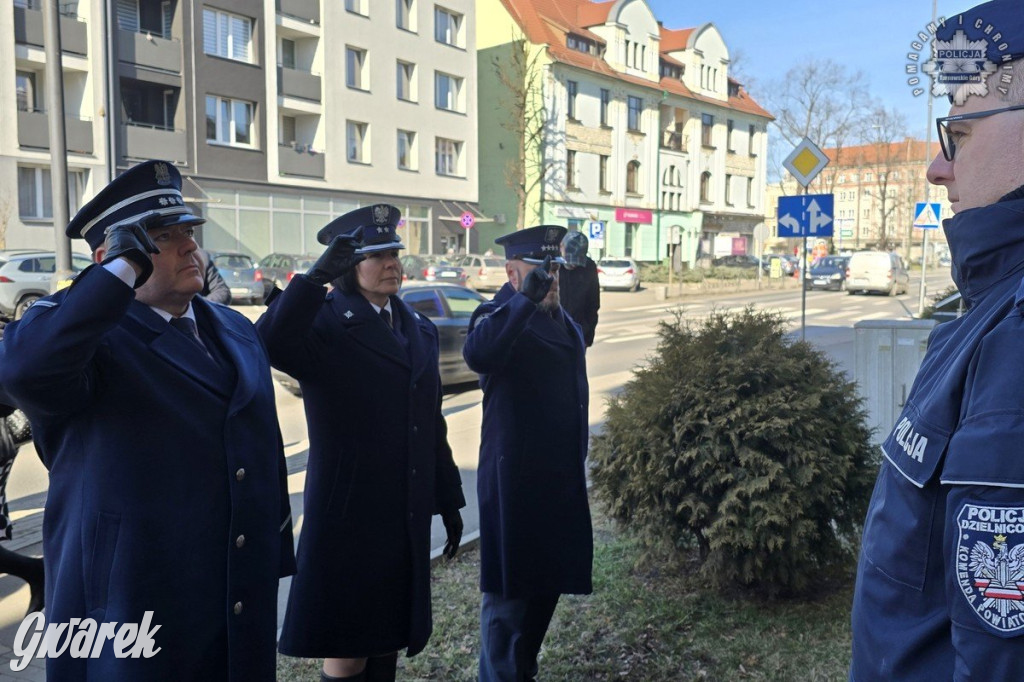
pixel 807 215
pixel 926 215
pixel 805 162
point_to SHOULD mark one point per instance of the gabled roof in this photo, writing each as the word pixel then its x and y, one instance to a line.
pixel 546 22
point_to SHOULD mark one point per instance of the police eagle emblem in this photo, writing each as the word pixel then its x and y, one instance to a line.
pixel 381 213
pixel 990 573
pixel 163 176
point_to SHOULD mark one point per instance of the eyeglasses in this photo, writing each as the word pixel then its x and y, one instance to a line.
pixel 947 138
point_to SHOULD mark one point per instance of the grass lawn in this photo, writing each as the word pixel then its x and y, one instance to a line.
pixel 648 623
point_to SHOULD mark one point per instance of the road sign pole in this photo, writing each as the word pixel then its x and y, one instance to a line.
pixel 924 271
pixel 803 285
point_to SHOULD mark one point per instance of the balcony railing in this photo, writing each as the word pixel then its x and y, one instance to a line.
pixel 141 140
pixel 28 28
pixel 150 50
pixel 303 10
pixel 34 131
pixel 301 160
pixel 675 141
pixel 297 83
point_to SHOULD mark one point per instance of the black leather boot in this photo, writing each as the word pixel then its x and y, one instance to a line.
pixel 382 668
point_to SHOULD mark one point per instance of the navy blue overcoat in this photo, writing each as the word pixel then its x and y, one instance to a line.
pixel 168 488
pixel 379 468
pixel 535 533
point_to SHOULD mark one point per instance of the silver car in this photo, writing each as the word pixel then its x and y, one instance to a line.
pixel 618 273
pixel 25 277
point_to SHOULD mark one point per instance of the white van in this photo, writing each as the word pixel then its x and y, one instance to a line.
pixel 877 271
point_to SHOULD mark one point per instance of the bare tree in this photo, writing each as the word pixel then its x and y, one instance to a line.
pixel 884 131
pixel 521 75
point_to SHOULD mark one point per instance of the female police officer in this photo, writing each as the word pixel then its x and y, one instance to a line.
pixel 379 461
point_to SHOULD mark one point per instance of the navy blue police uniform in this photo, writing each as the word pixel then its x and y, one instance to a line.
pixel 167 488
pixel 379 461
pixel 940 582
pixel 535 531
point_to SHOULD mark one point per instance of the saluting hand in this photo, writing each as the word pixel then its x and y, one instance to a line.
pixel 131 241
pixel 453 528
pixel 337 259
pixel 538 281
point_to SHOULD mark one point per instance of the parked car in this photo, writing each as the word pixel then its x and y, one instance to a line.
pixel 25 277
pixel 618 273
pixel 484 273
pixel 741 261
pixel 449 306
pixel 277 269
pixel 878 271
pixel 431 269
pixel 239 272
pixel 827 273
pixel 787 263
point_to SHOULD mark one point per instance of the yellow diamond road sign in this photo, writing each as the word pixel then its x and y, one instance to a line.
pixel 805 162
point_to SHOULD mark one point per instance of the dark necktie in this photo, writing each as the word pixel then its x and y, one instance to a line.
pixel 187 326
pixel 386 316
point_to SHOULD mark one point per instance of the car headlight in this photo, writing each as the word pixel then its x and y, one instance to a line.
pixel 836 276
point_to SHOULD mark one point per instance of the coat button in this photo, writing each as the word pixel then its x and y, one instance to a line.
pixel 412 472
pixel 238 608
pixel 240 474
pixel 414 385
pixel 240 541
pixel 410 516
pixel 415 429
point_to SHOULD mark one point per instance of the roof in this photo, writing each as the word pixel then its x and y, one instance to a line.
pixel 546 22
pixel 908 150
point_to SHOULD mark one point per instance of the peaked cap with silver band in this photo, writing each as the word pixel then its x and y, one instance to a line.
pixel 533 244
pixel 150 187
pixel 374 227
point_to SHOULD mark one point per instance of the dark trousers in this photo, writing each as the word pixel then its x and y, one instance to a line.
pixel 511 632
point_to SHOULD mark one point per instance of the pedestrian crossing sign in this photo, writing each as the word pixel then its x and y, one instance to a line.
pixel 926 215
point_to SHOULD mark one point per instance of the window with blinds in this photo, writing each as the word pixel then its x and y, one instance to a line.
pixel 128 15
pixel 227 35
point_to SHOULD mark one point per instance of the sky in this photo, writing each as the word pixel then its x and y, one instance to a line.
pixel 773 36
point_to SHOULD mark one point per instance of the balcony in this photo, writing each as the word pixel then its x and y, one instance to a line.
pixel 149 51
pixel 296 83
pixel 674 141
pixel 148 141
pixel 34 132
pixel 28 29
pixel 300 160
pixel 303 10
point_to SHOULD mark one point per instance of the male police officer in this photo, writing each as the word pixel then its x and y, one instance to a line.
pixel 940 584
pixel 154 412
pixel 535 534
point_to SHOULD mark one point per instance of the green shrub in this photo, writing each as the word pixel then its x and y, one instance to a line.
pixel 745 443
pixel 653 272
pixel 929 310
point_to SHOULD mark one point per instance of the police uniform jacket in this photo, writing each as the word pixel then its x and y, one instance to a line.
pixel 168 488
pixel 940 583
pixel 580 294
pixel 379 468
pixel 535 532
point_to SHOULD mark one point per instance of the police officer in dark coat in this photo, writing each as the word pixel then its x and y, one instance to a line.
pixel 379 461
pixel 154 412
pixel 535 533
pixel 578 288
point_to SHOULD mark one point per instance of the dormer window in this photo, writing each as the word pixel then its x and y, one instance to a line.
pixel 583 45
pixel 671 71
pixel 734 89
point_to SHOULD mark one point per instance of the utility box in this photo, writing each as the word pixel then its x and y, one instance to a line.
pixel 888 354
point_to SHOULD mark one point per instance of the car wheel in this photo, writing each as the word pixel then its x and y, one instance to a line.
pixel 635 287
pixel 850 292
pixel 893 290
pixel 23 306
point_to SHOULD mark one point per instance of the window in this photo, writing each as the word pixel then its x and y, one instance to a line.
pixel 728 190
pixel 602 173
pixel 728 136
pixel 34 192
pixel 407 150
pixel 461 301
pixel 229 121
pixel 571 89
pixel 606 97
pixel 356 6
pixel 631 230
pixel 447 27
pixel 356 138
pixel 287 131
pixel 355 67
pixel 127 15
pixel 227 35
pixel 425 302
pixel 707 123
pixel 632 177
pixel 405 86
pixel 752 150
pixel 25 87
pixel 405 15
pixel 636 106
pixel 287 53
pixel 705 186
pixel 447 157
pixel 447 92
pixel 570 169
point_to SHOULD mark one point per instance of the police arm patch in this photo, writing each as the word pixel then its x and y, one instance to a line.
pixel 990 564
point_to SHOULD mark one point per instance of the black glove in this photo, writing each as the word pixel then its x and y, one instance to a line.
pixel 538 282
pixel 453 528
pixel 337 259
pixel 131 241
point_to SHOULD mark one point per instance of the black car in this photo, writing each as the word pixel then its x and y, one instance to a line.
pixel 828 273
pixel 449 306
pixel 431 269
pixel 742 261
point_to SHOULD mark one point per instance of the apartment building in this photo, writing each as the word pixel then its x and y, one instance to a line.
pixel 638 128
pixel 280 115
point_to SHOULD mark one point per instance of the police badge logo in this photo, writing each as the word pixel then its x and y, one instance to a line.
pixel 990 566
pixel 381 213
pixel 959 67
pixel 551 235
pixel 163 176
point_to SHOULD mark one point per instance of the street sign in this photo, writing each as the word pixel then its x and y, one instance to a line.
pixel 805 162
pixel 807 215
pixel 926 215
pixel 467 219
pixel 596 233
pixel 845 233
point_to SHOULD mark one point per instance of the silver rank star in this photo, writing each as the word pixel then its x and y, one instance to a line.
pixel 348 314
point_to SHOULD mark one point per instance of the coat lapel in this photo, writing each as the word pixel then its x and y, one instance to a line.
pixel 357 317
pixel 242 349
pixel 411 328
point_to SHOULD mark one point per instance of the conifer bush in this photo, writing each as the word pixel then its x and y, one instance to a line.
pixel 744 443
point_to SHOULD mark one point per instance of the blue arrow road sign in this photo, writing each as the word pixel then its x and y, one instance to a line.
pixel 926 215
pixel 807 215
